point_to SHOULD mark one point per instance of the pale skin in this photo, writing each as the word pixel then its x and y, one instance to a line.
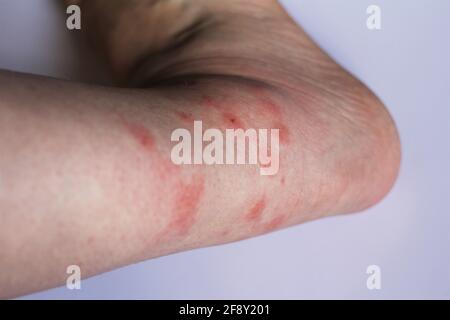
pixel 85 172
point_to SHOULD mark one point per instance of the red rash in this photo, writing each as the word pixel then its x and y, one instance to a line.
pixel 255 213
pixel 210 103
pixel 284 132
pixel 186 117
pixel 233 120
pixel 273 224
pixel 269 107
pixel 145 139
pixel 187 199
pixel 272 110
pixel 141 135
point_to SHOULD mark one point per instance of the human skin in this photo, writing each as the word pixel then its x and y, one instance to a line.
pixel 85 172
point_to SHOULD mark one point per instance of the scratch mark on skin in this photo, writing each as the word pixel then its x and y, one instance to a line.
pixel 274 223
pixel 255 212
pixel 187 201
pixel 255 215
pixel 141 135
pixel 166 167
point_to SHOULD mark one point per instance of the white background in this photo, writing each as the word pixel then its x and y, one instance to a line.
pixel 407 64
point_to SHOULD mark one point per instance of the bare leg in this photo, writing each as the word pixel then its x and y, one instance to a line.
pixel 85 171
